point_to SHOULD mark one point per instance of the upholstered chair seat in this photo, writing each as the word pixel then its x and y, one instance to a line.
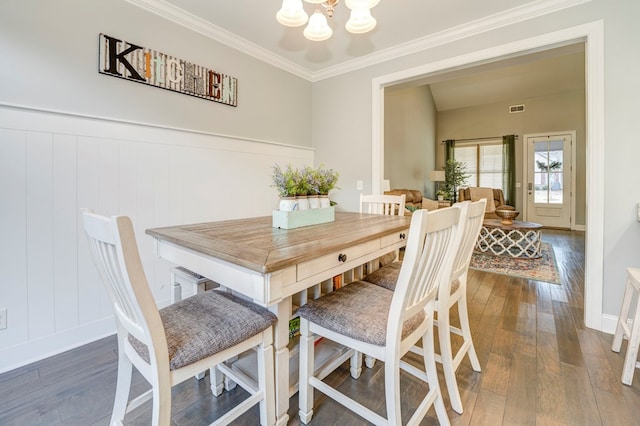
pixel 387 277
pixel 342 311
pixel 230 320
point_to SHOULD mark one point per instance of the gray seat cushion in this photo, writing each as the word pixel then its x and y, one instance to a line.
pixel 358 310
pixel 387 276
pixel 206 324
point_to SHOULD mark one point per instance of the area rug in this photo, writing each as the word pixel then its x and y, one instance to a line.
pixel 541 269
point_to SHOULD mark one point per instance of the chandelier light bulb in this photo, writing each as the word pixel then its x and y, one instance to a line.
pixel 318 29
pixel 292 13
pixel 360 21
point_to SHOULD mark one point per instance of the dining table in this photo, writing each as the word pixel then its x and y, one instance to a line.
pixel 276 268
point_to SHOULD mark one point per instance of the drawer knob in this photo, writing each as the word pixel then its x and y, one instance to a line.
pixel 402 236
pixel 342 257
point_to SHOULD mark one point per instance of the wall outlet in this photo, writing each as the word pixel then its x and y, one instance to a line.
pixel 3 318
pixel 359 185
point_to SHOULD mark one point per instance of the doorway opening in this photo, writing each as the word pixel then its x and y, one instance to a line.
pixel 592 35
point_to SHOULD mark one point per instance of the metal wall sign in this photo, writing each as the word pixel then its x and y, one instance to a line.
pixel 119 58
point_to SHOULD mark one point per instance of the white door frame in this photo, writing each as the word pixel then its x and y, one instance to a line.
pixel 525 176
pixel 592 34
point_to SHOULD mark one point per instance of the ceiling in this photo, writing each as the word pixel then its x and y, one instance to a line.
pixel 404 27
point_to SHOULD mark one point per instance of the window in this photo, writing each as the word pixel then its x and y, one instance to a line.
pixel 483 162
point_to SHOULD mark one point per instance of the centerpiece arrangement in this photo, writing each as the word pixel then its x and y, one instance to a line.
pixel 304 196
pixel 296 186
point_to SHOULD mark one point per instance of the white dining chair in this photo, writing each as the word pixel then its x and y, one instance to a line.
pixel 384 324
pixel 383 204
pixel 171 345
pixel 391 205
pixel 453 290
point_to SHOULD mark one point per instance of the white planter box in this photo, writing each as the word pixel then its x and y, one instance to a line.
pixel 299 218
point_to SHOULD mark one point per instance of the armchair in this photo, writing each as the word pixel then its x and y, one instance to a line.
pixel 495 199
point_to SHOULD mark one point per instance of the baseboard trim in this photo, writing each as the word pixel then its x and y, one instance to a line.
pixel 21 355
pixel 609 323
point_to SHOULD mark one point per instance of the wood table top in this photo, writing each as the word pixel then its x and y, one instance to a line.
pixel 255 244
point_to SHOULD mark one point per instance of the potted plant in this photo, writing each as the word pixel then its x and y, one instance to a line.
pixel 302 189
pixel 285 181
pixel 441 194
pixel 326 180
pixel 313 183
pixel 455 177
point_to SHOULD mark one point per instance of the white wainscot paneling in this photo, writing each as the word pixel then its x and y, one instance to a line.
pixel 59 163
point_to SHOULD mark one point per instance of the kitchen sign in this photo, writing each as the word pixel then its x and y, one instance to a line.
pixel 119 58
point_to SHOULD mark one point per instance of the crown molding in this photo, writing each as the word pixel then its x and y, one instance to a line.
pixel 207 29
pixel 468 29
pixel 501 19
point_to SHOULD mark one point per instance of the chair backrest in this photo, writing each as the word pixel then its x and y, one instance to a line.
pixel 392 205
pixel 113 247
pixel 471 230
pixel 434 238
pixel 464 194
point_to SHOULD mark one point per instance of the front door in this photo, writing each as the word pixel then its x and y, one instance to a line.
pixel 549 180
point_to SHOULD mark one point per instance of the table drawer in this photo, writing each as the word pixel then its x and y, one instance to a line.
pixel 388 240
pixel 323 263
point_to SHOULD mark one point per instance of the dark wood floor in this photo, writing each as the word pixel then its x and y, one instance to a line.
pixel 541 366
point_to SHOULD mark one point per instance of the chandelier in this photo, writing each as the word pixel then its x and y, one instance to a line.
pixel 292 14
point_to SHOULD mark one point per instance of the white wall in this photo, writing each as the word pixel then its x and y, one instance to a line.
pixel 53 165
pixel 410 135
pixel 347 143
pixel 71 138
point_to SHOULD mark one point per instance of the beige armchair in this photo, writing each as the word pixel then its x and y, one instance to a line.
pixel 496 203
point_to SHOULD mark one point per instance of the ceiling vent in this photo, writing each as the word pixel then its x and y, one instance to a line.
pixel 516 108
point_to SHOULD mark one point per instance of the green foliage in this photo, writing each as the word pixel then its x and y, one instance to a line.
pixel 285 181
pixel 308 181
pixel 455 177
pixel 327 180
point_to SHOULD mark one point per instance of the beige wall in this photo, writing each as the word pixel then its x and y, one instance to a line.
pixel 562 112
pixel 410 135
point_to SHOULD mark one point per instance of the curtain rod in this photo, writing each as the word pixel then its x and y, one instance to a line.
pixel 480 139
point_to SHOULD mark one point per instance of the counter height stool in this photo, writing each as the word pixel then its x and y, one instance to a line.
pixel 386 324
pixel 453 290
pixel 624 331
pixel 170 345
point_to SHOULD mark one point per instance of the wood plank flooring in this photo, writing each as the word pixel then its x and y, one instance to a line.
pixel 541 366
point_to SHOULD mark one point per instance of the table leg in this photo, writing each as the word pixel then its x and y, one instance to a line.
pixel 281 352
